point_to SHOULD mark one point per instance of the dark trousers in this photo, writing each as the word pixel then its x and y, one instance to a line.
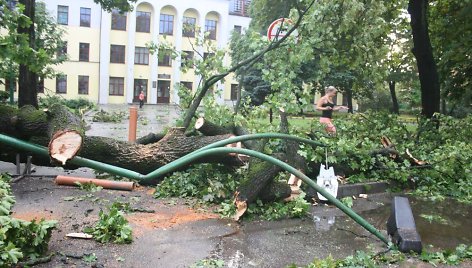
pixel 141 103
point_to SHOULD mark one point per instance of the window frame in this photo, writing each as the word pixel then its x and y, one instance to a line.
pixel 166 58
pixel 84 52
pixel 188 56
pixel 143 22
pixel 189 31
pixel 118 20
pixel 63 16
pixel 141 55
pixel 118 82
pixel 83 81
pixel 85 18
pixel 61 84
pixel 211 27
pixel 166 26
pixel 117 53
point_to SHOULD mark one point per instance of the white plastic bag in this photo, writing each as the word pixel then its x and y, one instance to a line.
pixel 328 181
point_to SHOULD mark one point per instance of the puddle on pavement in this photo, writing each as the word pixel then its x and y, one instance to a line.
pixel 280 243
pixel 442 224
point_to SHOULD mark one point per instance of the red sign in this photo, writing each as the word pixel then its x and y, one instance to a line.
pixel 279 29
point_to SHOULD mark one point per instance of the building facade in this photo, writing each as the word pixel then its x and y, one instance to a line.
pixel 108 58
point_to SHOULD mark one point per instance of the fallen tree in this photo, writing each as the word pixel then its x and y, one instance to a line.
pixel 42 127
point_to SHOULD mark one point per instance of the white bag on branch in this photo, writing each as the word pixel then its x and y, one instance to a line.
pixel 328 181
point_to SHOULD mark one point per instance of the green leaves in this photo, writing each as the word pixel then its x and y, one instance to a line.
pixel 210 182
pixel 111 227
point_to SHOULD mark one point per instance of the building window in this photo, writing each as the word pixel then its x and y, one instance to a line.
pixel 117 54
pixel 85 16
pixel 141 55
pixel 117 86
pixel 118 21
pixel 63 15
pixel 143 21
pixel 61 50
pixel 84 51
pixel 164 58
pixel 187 85
pixel 188 29
pixel 187 59
pixel 61 84
pixel 234 91
pixel 210 27
pixel 239 7
pixel 83 84
pixel 237 29
pixel 166 25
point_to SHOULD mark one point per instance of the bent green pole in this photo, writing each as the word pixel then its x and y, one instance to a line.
pixel 36 149
pixel 77 160
pixel 260 136
pixel 221 151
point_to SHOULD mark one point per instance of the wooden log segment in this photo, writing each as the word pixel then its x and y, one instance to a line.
pixel 208 128
pixel 260 173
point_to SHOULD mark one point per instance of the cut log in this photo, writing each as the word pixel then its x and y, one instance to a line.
pixel 208 128
pixel 64 145
pixel 260 174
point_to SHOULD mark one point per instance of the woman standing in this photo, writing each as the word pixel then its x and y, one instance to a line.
pixel 326 105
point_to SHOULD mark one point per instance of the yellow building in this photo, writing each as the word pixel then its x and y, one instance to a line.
pixel 108 59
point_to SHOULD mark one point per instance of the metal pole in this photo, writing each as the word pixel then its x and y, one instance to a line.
pixel 133 123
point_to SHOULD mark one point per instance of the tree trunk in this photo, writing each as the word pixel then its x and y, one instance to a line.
pixel 430 91
pixel 40 127
pixel 260 174
pixel 393 94
pixel 208 128
pixel 28 80
pixel 349 98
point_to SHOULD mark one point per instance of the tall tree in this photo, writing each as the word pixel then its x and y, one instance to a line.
pixel 451 30
pixel 28 78
pixel 430 90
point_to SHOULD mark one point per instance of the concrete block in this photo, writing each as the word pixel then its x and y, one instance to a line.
pixel 401 226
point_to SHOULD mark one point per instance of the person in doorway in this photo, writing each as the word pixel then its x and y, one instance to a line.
pixel 141 99
pixel 326 105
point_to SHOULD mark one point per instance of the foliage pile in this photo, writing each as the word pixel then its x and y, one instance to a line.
pixel 76 105
pixel 113 117
pixel 111 227
pixel 20 239
pixel 369 259
pixel 446 150
pixel 215 184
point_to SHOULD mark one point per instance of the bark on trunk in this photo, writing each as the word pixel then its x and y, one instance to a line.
pixel 208 128
pixel 37 126
pixel 393 94
pixel 429 80
pixel 28 80
pixel 260 174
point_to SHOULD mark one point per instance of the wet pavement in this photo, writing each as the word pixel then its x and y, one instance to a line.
pixel 177 235
pixel 151 119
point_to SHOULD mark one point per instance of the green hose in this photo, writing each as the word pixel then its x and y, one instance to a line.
pixel 217 151
pixel 36 149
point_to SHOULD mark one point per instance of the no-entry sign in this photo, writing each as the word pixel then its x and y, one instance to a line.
pixel 279 29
